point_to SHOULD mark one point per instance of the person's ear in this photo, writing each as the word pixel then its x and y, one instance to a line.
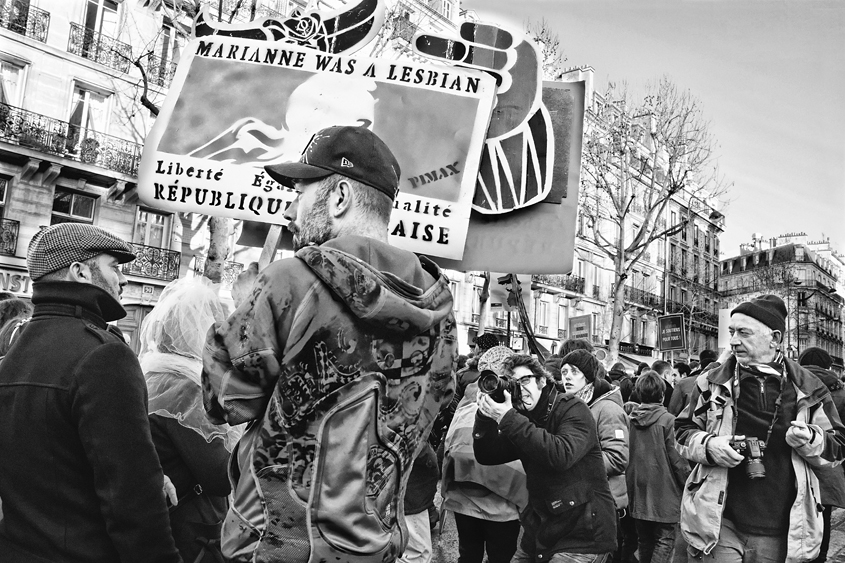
pixel 777 338
pixel 79 272
pixel 340 199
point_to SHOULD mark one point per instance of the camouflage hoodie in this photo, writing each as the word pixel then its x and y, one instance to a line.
pixel 341 357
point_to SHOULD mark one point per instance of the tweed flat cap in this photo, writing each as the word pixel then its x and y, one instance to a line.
pixel 59 246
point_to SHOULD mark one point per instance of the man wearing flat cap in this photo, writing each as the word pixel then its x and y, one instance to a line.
pixel 757 426
pixel 80 479
pixel 340 359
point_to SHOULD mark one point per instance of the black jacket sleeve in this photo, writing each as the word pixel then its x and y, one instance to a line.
pixel 110 408
pixel 490 447
pixel 572 430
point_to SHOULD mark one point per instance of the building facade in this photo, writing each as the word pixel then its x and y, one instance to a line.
pixel 806 275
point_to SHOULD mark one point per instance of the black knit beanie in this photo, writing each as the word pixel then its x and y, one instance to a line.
pixel 814 356
pixel 584 361
pixel 617 372
pixel 768 309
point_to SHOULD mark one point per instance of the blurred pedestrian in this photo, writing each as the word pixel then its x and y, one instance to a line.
pixel 14 308
pixel 683 388
pixel 85 483
pixel 485 499
pixel 656 473
pixel 580 376
pixel 667 372
pixel 831 479
pixel 571 344
pixel 194 453
pixel 419 500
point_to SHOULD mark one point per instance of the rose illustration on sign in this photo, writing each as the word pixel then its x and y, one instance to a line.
pixel 303 29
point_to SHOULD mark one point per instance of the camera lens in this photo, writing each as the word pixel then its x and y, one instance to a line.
pixel 488 382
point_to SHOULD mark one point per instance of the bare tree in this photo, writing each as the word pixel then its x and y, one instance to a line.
pixel 637 157
pixel 549 42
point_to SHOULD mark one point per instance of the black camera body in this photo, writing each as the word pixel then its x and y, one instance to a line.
pixel 495 386
pixel 752 448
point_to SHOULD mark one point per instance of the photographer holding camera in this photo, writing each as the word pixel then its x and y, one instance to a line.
pixel 756 425
pixel 571 515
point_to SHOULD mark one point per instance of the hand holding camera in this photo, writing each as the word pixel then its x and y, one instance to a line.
pixel 494 409
pixel 720 451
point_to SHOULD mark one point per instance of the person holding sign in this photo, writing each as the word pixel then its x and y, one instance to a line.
pixel 340 358
pixel 757 426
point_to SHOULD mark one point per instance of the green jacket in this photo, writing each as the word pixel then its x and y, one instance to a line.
pixel 340 358
pixel 711 412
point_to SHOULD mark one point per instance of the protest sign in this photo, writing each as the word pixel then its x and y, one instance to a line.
pixel 671 334
pixel 581 327
pixel 237 105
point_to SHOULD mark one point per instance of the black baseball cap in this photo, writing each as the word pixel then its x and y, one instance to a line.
pixel 354 152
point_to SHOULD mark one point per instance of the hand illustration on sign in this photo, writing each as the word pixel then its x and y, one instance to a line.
pixel 340 31
pixel 515 170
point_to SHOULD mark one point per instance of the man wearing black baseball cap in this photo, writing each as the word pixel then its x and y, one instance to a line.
pixel 343 356
pixel 757 426
pixel 81 480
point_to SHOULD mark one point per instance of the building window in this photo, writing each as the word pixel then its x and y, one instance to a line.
pixel 88 112
pixel 542 313
pixel 695 236
pixel 72 207
pixel 152 229
pixel 447 9
pixel 11 82
pixel 101 17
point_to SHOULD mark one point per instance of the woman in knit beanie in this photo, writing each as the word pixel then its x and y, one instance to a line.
pixel 583 375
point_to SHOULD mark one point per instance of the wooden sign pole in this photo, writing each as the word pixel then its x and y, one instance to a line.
pixel 271 243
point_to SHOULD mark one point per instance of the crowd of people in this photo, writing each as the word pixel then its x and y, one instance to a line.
pixel 317 420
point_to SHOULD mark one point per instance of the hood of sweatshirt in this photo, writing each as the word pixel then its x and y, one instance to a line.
pixel 385 287
pixel 647 414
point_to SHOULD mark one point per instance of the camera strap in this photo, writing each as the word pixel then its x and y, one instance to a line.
pixel 778 401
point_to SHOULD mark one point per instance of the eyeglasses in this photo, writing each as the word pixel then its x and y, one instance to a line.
pixel 524 381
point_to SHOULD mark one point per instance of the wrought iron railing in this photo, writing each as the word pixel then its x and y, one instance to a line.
pixel 403 28
pixel 596 291
pixel 501 322
pixel 49 135
pixel 238 11
pixel 9 236
pixel 561 333
pixel 476 318
pixel 153 262
pixel 158 71
pixel 25 20
pixel 634 295
pixel 571 283
pixel 231 271
pixel 99 48
pixel 837 361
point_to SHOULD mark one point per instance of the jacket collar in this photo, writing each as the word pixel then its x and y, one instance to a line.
pixel 807 386
pixel 77 300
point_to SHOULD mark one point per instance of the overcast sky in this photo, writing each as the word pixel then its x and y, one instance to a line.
pixel 770 75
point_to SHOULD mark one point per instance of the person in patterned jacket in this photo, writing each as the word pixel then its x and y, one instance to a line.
pixel 340 358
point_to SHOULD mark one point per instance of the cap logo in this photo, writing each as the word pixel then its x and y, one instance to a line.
pixel 345 163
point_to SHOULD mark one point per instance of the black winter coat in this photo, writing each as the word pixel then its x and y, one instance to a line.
pixel 570 507
pixel 80 479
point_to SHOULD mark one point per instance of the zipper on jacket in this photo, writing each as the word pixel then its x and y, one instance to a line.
pixel 763 392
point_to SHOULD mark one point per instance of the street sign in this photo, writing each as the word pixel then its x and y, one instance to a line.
pixel 671 333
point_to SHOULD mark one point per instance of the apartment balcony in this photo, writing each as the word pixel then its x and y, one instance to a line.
pixel 476 318
pixel 30 22
pixel 154 263
pixel 542 329
pixel 837 361
pixel 569 283
pixel 561 333
pixel 99 48
pixel 53 136
pixel 403 28
pixel 238 11
pixel 231 271
pixel 9 236
pixel 158 71
pixel 642 297
pixel 501 322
